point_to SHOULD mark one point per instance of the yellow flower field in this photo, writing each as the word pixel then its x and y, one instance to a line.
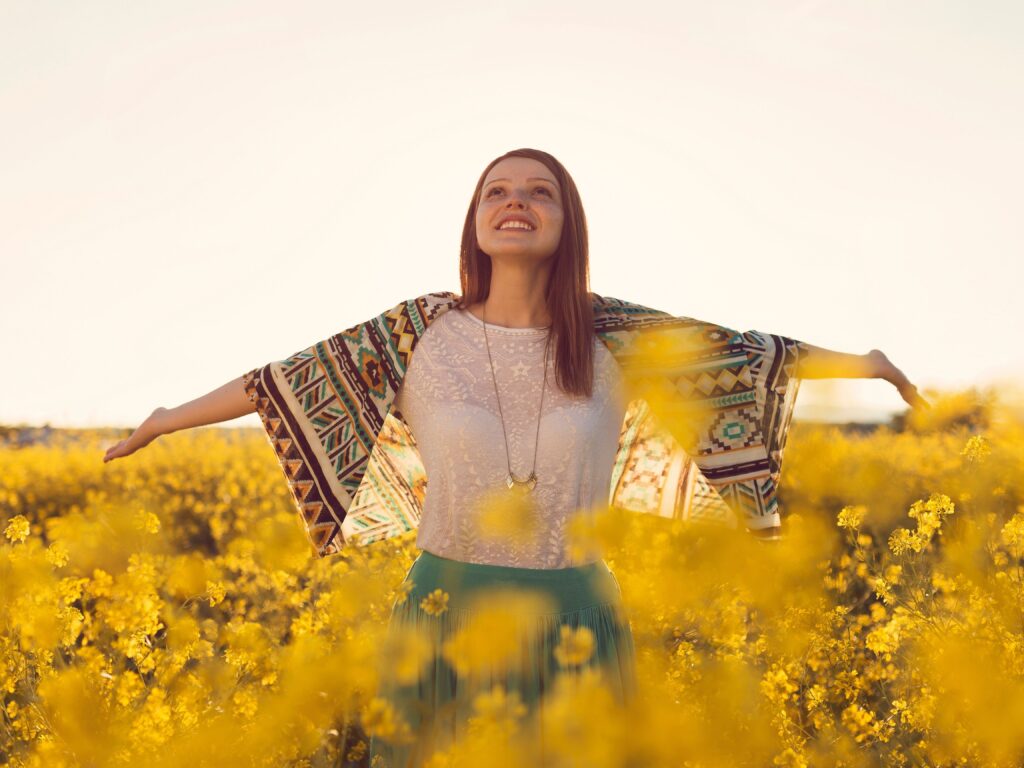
pixel 165 610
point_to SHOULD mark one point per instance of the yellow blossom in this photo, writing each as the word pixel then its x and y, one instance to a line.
pixel 501 621
pixel 246 703
pixel 497 705
pixel 57 554
pixel 380 719
pixel 884 640
pixel 816 696
pixel 576 646
pixel 147 521
pixel 776 685
pixel 1012 534
pixel 17 528
pixel 901 541
pixel 851 516
pixel 976 449
pixel 859 721
pixel 883 589
pixel 403 591
pixel 216 591
pixel 435 603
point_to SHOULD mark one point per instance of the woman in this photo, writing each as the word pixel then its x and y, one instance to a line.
pixel 510 391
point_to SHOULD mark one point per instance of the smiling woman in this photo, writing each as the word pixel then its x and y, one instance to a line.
pixel 489 415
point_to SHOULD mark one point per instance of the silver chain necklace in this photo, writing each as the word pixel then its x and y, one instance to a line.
pixel 511 480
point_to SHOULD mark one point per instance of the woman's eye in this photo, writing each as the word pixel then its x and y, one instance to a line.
pixel 545 190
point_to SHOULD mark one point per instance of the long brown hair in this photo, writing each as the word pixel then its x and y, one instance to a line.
pixel 568 289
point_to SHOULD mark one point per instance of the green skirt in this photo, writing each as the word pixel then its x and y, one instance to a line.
pixel 438 703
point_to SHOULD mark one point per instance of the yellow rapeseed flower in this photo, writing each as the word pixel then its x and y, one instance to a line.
pixel 510 516
pixel 576 646
pixel 776 685
pixel 380 719
pixel 1012 534
pixel 901 540
pixel 501 621
pixel 851 516
pixel 885 639
pixel 816 696
pixel 246 702
pixel 497 705
pixel 17 529
pixel 406 650
pixel 860 722
pixel 216 591
pixel 147 521
pixel 581 724
pixel 929 514
pixel 57 554
pixel 894 573
pixel 402 591
pixel 435 603
pixel 882 588
pixel 976 449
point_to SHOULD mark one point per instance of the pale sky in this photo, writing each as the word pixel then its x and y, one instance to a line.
pixel 192 189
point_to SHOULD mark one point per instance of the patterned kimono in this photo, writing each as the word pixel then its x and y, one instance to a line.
pixel 702 439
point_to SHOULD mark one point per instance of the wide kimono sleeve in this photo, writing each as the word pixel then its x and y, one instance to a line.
pixel 326 412
pixel 725 396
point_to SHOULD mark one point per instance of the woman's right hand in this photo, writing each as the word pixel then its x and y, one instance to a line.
pixel 144 434
pixel 884 369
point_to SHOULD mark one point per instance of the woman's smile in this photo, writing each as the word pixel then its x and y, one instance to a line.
pixel 516 221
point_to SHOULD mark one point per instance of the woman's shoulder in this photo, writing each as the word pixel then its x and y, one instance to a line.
pixel 422 309
pixel 612 310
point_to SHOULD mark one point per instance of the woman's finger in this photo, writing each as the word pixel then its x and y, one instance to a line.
pixel 910 394
pixel 116 451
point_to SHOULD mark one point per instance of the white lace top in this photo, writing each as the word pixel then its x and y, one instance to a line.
pixel 447 398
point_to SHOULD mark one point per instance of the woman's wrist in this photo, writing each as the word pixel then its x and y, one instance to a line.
pixel 161 421
pixel 879 366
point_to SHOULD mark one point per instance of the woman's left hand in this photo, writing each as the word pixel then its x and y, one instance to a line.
pixel 884 369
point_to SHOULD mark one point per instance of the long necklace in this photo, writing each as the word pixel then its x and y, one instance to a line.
pixel 511 480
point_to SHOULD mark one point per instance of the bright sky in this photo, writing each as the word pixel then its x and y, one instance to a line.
pixel 192 189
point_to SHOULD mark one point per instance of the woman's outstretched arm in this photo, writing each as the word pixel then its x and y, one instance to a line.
pixel 821 363
pixel 228 401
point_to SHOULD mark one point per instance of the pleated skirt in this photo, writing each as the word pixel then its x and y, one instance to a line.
pixel 449 599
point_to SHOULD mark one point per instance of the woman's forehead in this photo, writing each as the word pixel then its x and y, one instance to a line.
pixel 521 167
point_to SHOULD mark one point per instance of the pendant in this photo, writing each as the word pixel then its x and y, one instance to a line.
pixel 529 482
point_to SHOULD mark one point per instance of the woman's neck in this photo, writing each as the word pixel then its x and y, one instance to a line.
pixel 515 301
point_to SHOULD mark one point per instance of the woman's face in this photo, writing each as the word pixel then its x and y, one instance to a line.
pixel 522 189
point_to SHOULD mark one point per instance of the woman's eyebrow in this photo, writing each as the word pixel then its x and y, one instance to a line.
pixel 534 178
